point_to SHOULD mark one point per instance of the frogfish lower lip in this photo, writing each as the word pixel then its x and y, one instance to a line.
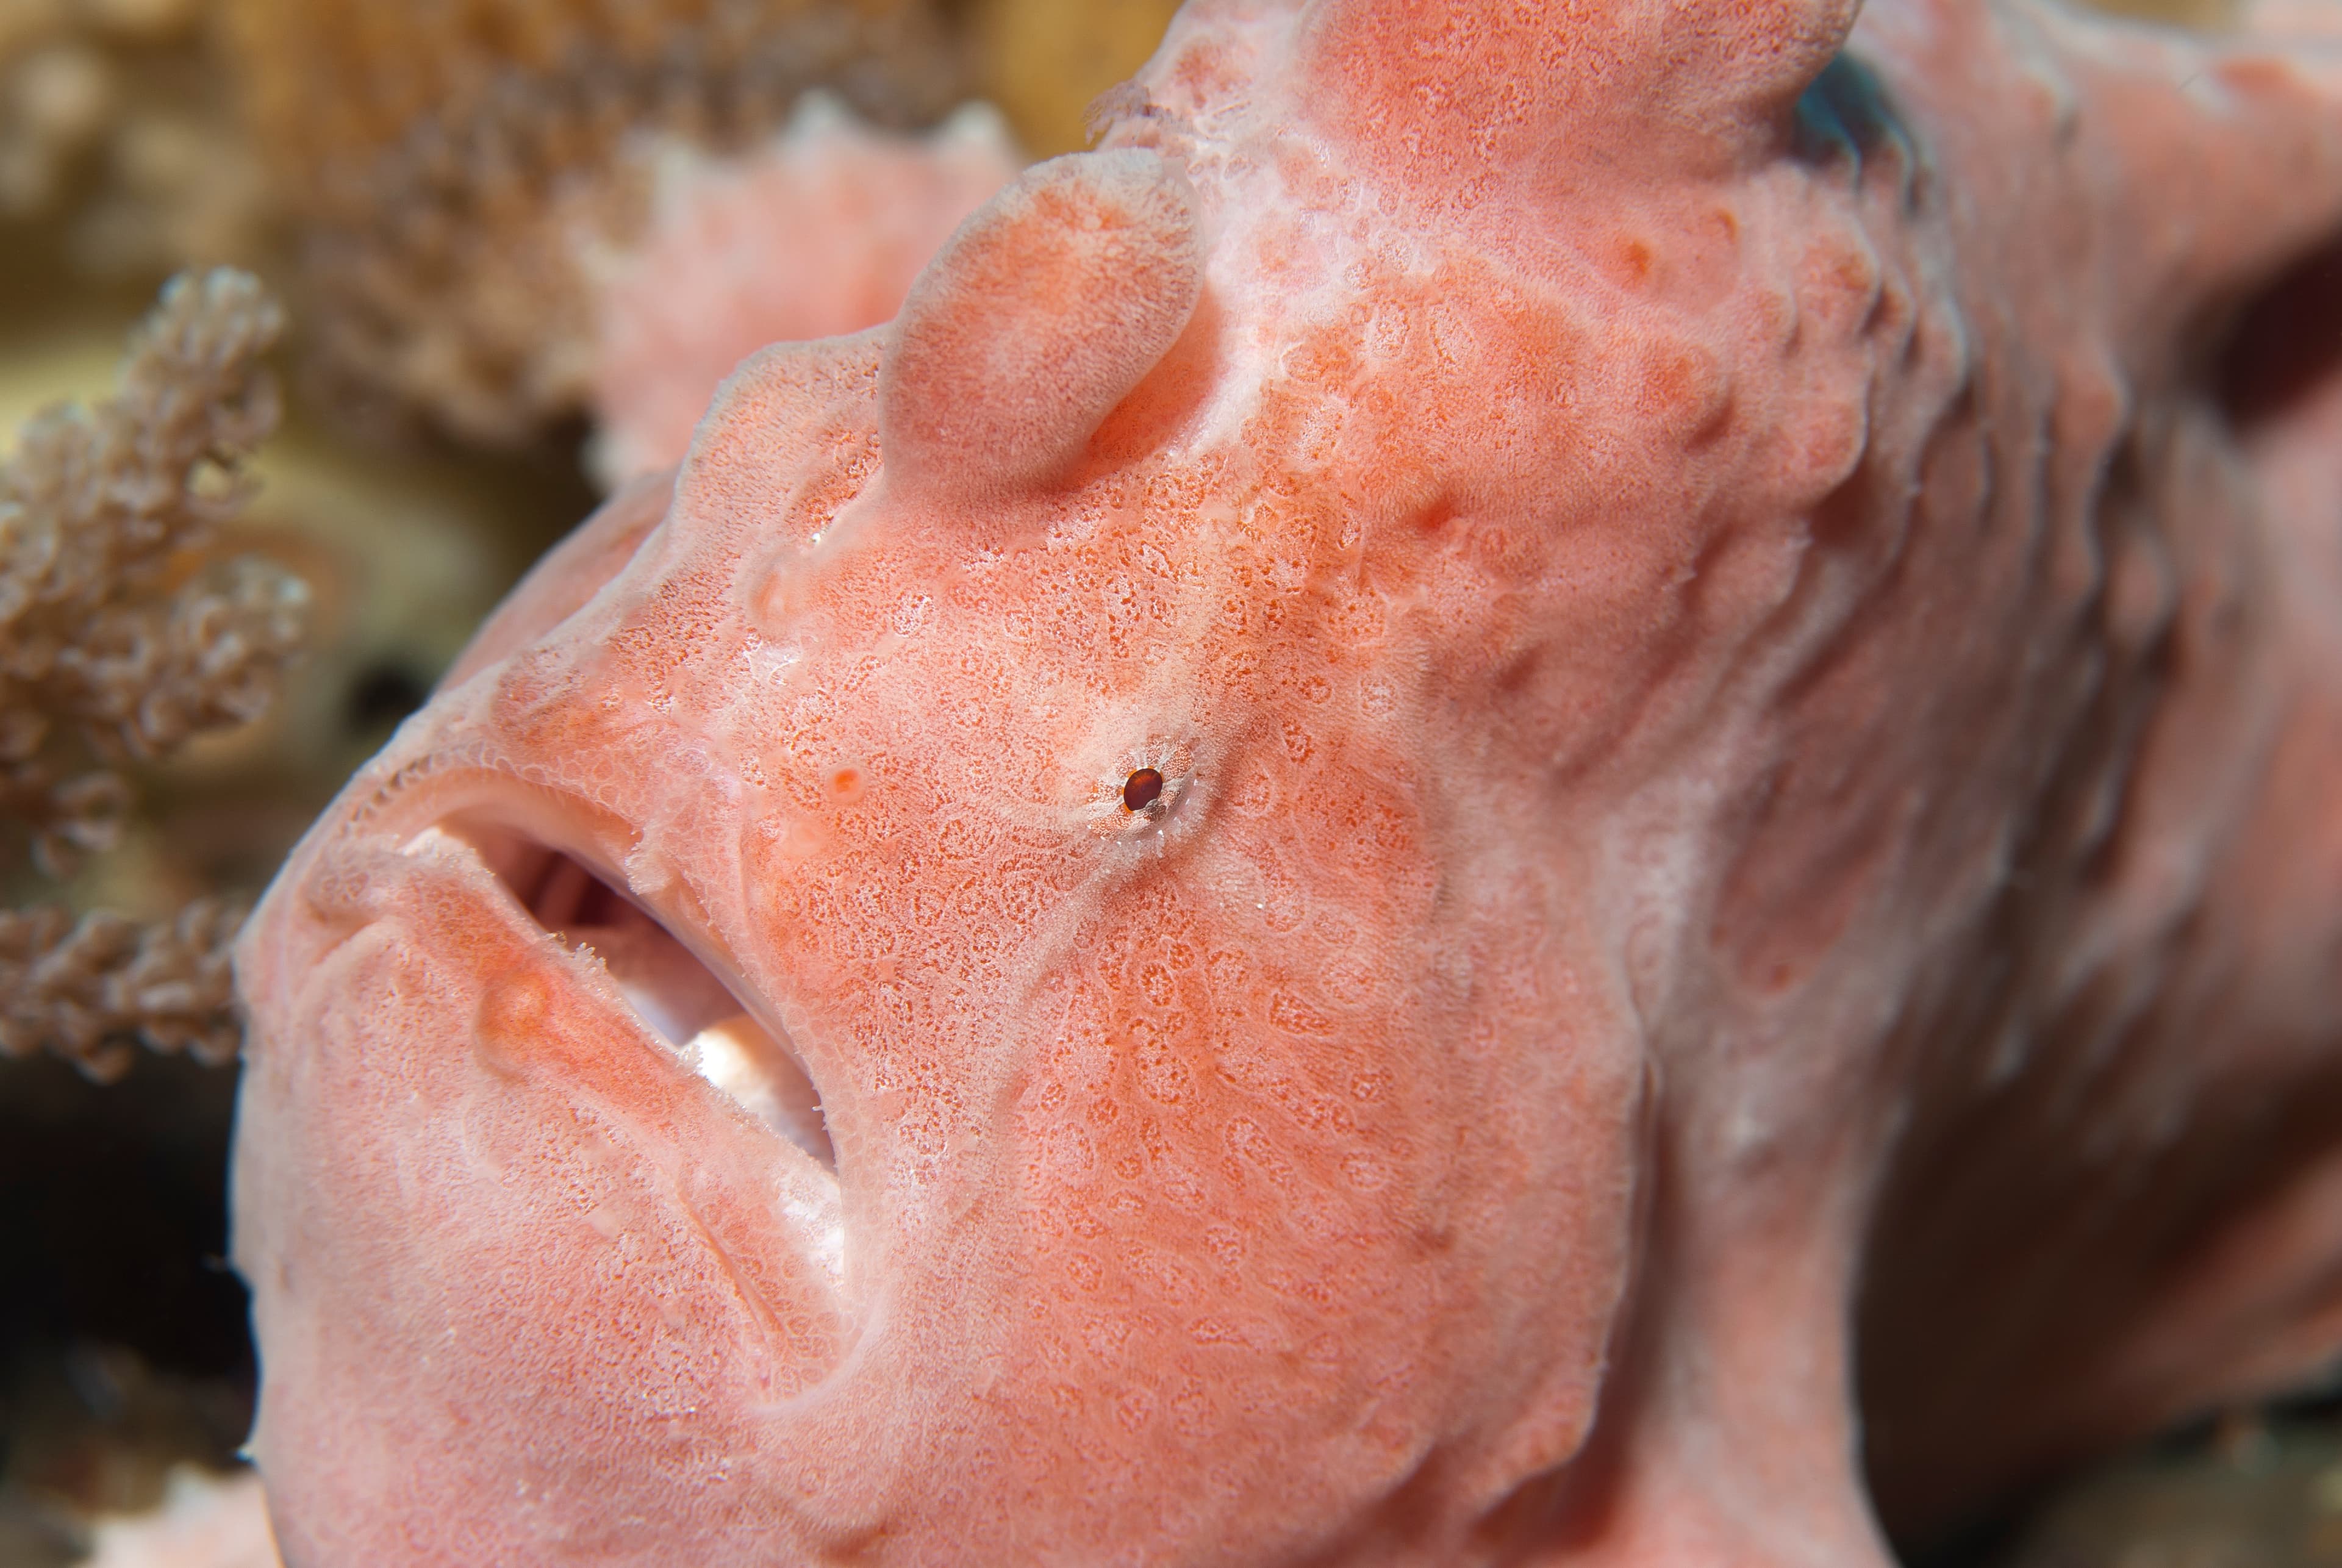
pixel 730 1038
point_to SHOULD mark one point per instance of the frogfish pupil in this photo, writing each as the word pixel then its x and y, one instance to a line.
pixel 1140 790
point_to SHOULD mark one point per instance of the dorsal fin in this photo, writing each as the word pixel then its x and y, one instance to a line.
pixel 1451 92
pixel 1040 315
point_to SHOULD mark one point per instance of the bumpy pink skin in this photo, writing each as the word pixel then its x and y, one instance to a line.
pixel 1749 743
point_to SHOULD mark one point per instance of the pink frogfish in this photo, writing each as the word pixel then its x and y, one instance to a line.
pixel 1550 783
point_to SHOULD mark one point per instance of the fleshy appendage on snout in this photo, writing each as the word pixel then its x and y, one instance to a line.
pixel 981 393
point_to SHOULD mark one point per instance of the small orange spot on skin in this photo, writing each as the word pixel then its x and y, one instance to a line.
pixel 802 839
pixel 845 784
pixel 1635 261
pixel 513 1007
pixel 1682 387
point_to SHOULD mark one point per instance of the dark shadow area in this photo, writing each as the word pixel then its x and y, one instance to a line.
pixel 381 696
pixel 2286 344
pixel 123 1342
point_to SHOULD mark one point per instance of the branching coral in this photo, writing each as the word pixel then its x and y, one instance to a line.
pixel 117 122
pixel 448 168
pixel 84 985
pixel 120 640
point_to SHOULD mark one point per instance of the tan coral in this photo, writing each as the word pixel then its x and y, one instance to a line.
pixel 118 127
pixel 447 167
pixel 121 640
pixel 84 986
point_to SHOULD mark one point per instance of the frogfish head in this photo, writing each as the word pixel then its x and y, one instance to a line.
pixel 1012 964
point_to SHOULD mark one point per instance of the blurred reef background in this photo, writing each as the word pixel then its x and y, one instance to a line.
pixel 253 541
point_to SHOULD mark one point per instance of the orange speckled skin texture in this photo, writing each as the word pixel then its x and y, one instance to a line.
pixel 1747 714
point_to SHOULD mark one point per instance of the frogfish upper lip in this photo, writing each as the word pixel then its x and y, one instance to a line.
pixel 723 1029
pixel 684 990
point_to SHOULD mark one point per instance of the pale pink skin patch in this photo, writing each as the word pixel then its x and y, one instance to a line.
pixel 816 234
pixel 1521 711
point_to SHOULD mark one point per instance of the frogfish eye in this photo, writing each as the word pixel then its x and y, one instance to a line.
pixel 1140 790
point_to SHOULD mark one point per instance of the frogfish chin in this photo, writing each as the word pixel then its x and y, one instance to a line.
pixel 1552 782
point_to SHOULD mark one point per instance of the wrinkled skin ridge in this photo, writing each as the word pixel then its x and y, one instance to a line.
pixel 1735 609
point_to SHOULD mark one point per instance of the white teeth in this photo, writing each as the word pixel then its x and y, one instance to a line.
pixel 740 1058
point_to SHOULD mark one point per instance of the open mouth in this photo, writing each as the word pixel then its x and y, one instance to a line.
pixel 678 998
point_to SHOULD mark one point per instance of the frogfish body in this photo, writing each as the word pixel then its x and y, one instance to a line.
pixel 1550 783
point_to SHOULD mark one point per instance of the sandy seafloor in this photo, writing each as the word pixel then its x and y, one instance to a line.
pixel 125 1372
